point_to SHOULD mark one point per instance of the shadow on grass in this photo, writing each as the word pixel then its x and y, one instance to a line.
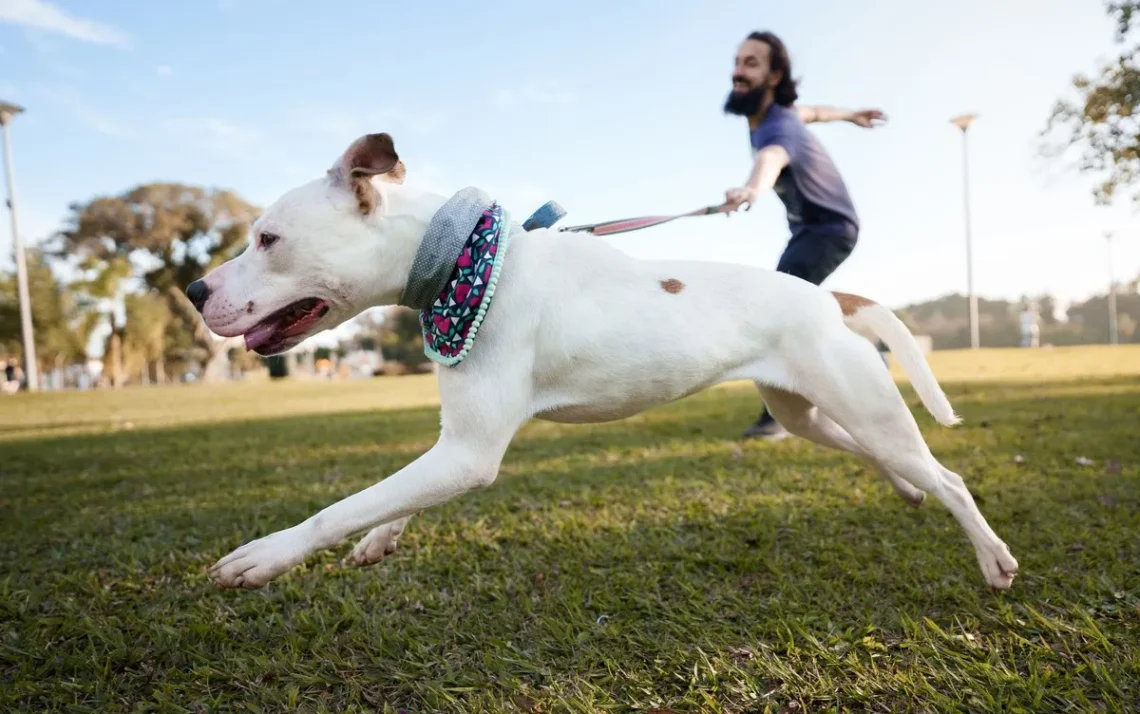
pixel 607 561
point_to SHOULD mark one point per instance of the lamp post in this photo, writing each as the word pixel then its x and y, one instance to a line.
pixel 1112 336
pixel 7 111
pixel 963 122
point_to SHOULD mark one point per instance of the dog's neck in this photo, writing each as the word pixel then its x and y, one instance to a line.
pixel 407 213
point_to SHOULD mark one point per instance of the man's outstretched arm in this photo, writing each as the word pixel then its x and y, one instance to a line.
pixel 865 118
pixel 770 161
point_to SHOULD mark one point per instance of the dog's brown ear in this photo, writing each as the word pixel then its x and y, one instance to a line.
pixel 370 155
pixel 397 174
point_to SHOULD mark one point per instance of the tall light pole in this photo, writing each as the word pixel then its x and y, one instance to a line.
pixel 1112 337
pixel 963 122
pixel 7 111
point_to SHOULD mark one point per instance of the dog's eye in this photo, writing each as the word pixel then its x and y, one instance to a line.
pixel 268 239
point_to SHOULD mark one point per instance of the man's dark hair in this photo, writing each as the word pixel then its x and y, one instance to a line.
pixel 779 61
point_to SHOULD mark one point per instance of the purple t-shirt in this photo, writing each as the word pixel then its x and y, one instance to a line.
pixel 810 186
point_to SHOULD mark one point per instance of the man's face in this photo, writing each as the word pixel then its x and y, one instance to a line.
pixel 751 79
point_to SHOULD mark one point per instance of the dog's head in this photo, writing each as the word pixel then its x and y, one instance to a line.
pixel 321 254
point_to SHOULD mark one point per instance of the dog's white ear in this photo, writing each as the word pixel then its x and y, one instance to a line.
pixel 370 155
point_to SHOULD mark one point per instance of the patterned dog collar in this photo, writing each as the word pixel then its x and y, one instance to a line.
pixel 455 272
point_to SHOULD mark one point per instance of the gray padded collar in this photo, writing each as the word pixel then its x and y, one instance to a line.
pixel 448 230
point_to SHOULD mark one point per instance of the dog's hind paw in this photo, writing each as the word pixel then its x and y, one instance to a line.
pixel 379 542
pixel 916 499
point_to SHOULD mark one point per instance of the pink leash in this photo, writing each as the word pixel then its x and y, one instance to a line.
pixel 625 225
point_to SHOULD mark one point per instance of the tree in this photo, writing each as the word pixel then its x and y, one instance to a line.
pixel 164 236
pixel 400 337
pixel 1102 122
pixel 1091 318
pixel 1047 310
pixel 144 334
pixel 61 324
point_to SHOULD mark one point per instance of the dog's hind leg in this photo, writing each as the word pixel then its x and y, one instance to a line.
pixel 842 374
pixel 802 418
pixel 379 542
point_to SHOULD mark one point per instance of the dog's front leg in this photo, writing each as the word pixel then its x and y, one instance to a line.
pixel 451 468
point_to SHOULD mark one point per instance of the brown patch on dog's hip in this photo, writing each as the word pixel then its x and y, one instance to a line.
pixel 851 304
pixel 672 286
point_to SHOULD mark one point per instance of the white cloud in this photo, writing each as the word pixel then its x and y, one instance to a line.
pixel 163 70
pixel 215 134
pixel 42 15
pixel 67 99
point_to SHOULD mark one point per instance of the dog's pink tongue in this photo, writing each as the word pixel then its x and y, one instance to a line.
pixel 258 336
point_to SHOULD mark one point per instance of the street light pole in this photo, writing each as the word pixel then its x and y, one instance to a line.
pixel 1112 336
pixel 963 122
pixel 7 111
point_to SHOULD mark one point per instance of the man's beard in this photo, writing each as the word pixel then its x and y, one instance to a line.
pixel 744 104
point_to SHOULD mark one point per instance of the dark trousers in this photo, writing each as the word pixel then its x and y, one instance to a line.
pixel 814 253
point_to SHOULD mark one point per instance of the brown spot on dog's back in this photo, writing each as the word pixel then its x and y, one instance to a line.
pixel 672 286
pixel 851 304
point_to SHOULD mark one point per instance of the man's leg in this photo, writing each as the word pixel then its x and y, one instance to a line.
pixel 811 256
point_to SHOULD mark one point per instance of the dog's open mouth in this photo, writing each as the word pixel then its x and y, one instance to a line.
pixel 287 327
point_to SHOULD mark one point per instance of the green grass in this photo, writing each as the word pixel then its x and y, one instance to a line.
pixel 654 563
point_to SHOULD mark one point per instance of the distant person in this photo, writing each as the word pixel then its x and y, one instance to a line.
pixel 11 377
pixel 1030 327
pixel 790 160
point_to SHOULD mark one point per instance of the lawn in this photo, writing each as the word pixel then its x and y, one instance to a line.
pixel 657 563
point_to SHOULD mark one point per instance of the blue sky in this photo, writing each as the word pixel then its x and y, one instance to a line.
pixel 614 111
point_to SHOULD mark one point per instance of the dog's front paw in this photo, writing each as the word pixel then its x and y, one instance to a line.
pixel 379 542
pixel 256 563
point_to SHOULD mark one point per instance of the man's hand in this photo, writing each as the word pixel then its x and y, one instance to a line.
pixel 866 118
pixel 770 161
pixel 734 198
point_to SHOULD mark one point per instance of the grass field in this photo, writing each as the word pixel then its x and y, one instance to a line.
pixel 657 563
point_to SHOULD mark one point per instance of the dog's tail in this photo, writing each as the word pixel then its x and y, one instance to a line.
pixel 861 312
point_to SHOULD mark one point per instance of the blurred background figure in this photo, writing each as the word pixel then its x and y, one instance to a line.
pixel 12 377
pixel 1030 326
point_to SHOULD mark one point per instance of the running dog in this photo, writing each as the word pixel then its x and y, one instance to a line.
pixel 578 332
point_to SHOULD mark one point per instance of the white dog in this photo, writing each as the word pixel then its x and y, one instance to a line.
pixel 578 332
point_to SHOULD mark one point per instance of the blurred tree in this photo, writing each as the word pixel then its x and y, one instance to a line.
pixel 61 324
pixel 1047 309
pixel 163 236
pixel 1101 122
pixel 144 335
pixel 401 337
pixel 1086 322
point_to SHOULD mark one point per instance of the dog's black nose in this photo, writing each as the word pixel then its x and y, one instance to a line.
pixel 198 292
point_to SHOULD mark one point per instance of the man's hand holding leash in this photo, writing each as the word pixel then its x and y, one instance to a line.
pixel 770 161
